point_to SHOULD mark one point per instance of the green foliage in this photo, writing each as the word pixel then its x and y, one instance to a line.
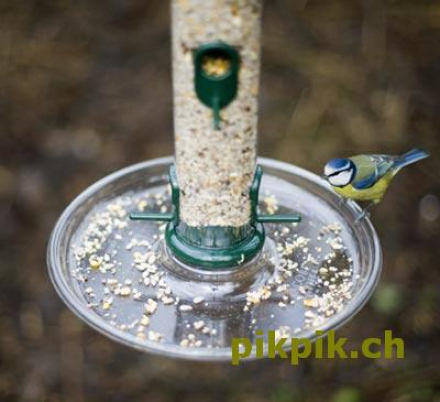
pixel 388 298
pixel 347 394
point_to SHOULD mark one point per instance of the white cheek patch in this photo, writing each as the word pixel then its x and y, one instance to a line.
pixel 328 170
pixel 340 179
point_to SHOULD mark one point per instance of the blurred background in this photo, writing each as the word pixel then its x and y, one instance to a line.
pixel 85 89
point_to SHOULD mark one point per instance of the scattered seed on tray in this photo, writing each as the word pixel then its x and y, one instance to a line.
pixel 317 279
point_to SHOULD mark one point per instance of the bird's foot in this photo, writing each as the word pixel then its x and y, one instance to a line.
pixel 366 212
pixel 363 215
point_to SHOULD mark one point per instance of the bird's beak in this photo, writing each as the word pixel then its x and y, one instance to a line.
pixel 324 177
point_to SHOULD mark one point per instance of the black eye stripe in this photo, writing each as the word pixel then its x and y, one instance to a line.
pixel 336 173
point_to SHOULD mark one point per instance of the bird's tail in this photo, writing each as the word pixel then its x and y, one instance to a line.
pixel 410 157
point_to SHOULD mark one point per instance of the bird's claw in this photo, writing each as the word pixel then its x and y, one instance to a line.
pixel 365 212
pixel 363 215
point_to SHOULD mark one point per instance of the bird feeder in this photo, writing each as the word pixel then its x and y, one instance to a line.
pixel 180 255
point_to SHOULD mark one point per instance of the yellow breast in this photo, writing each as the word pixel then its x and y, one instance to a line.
pixel 373 193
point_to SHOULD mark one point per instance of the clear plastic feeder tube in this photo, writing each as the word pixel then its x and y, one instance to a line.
pixel 215 147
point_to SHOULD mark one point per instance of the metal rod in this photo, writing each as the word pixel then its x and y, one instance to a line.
pixel 140 216
pixel 278 218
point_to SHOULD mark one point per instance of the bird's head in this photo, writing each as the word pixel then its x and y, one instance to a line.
pixel 339 172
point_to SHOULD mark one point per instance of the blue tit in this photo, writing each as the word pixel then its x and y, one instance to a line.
pixel 367 177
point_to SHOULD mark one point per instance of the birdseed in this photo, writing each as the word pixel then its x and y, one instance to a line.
pixel 215 66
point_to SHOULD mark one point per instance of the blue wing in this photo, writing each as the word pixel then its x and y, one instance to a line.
pixel 365 183
pixel 370 169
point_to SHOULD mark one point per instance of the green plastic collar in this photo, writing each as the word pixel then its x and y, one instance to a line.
pixel 214 247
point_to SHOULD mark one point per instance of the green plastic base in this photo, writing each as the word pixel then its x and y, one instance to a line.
pixel 214 257
pixel 214 247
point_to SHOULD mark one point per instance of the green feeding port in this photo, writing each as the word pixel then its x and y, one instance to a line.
pixel 214 247
pixel 216 67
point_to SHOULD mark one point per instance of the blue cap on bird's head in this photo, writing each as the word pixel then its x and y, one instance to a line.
pixel 337 165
